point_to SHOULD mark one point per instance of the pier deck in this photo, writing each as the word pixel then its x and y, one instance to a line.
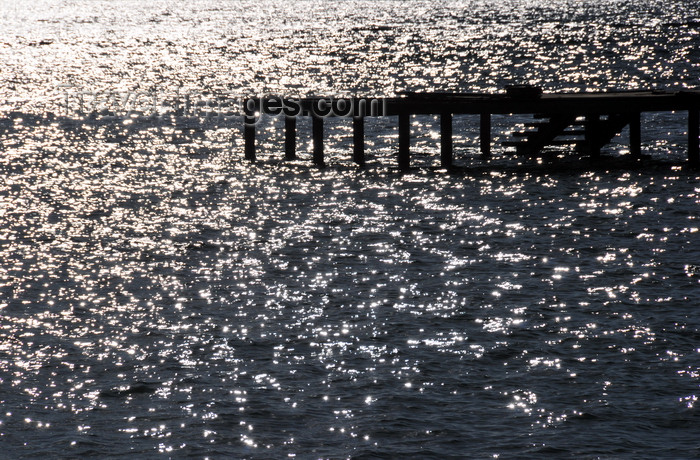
pixel 601 115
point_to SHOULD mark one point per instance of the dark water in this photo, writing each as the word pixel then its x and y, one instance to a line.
pixel 160 297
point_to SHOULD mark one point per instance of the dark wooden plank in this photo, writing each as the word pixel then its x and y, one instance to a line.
pixel 538 124
pixel 550 104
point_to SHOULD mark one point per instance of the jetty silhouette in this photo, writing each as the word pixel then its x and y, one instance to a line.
pixel 586 120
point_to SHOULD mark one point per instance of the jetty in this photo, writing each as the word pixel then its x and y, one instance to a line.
pixel 587 121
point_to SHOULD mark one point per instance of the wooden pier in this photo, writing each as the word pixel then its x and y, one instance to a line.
pixel 587 121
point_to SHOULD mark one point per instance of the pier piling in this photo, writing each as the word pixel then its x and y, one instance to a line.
pixel 694 137
pixel 404 141
pixel 591 129
pixel 446 140
pixel 290 138
pixel 485 134
pixel 358 133
pixel 317 135
pixel 635 135
pixel 249 138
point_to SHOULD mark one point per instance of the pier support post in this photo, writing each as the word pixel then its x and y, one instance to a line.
pixel 317 135
pixel 635 135
pixel 358 136
pixel 446 140
pixel 485 134
pixel 290 138
pixel 249 138
pixel 404 141
pixel 592 126
pixel 694 137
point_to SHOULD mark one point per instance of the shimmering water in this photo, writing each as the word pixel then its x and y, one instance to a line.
pixel 160 295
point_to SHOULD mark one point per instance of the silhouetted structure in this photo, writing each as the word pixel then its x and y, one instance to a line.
pixel 586 120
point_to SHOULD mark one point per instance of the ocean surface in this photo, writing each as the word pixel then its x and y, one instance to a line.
pixel 160 297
